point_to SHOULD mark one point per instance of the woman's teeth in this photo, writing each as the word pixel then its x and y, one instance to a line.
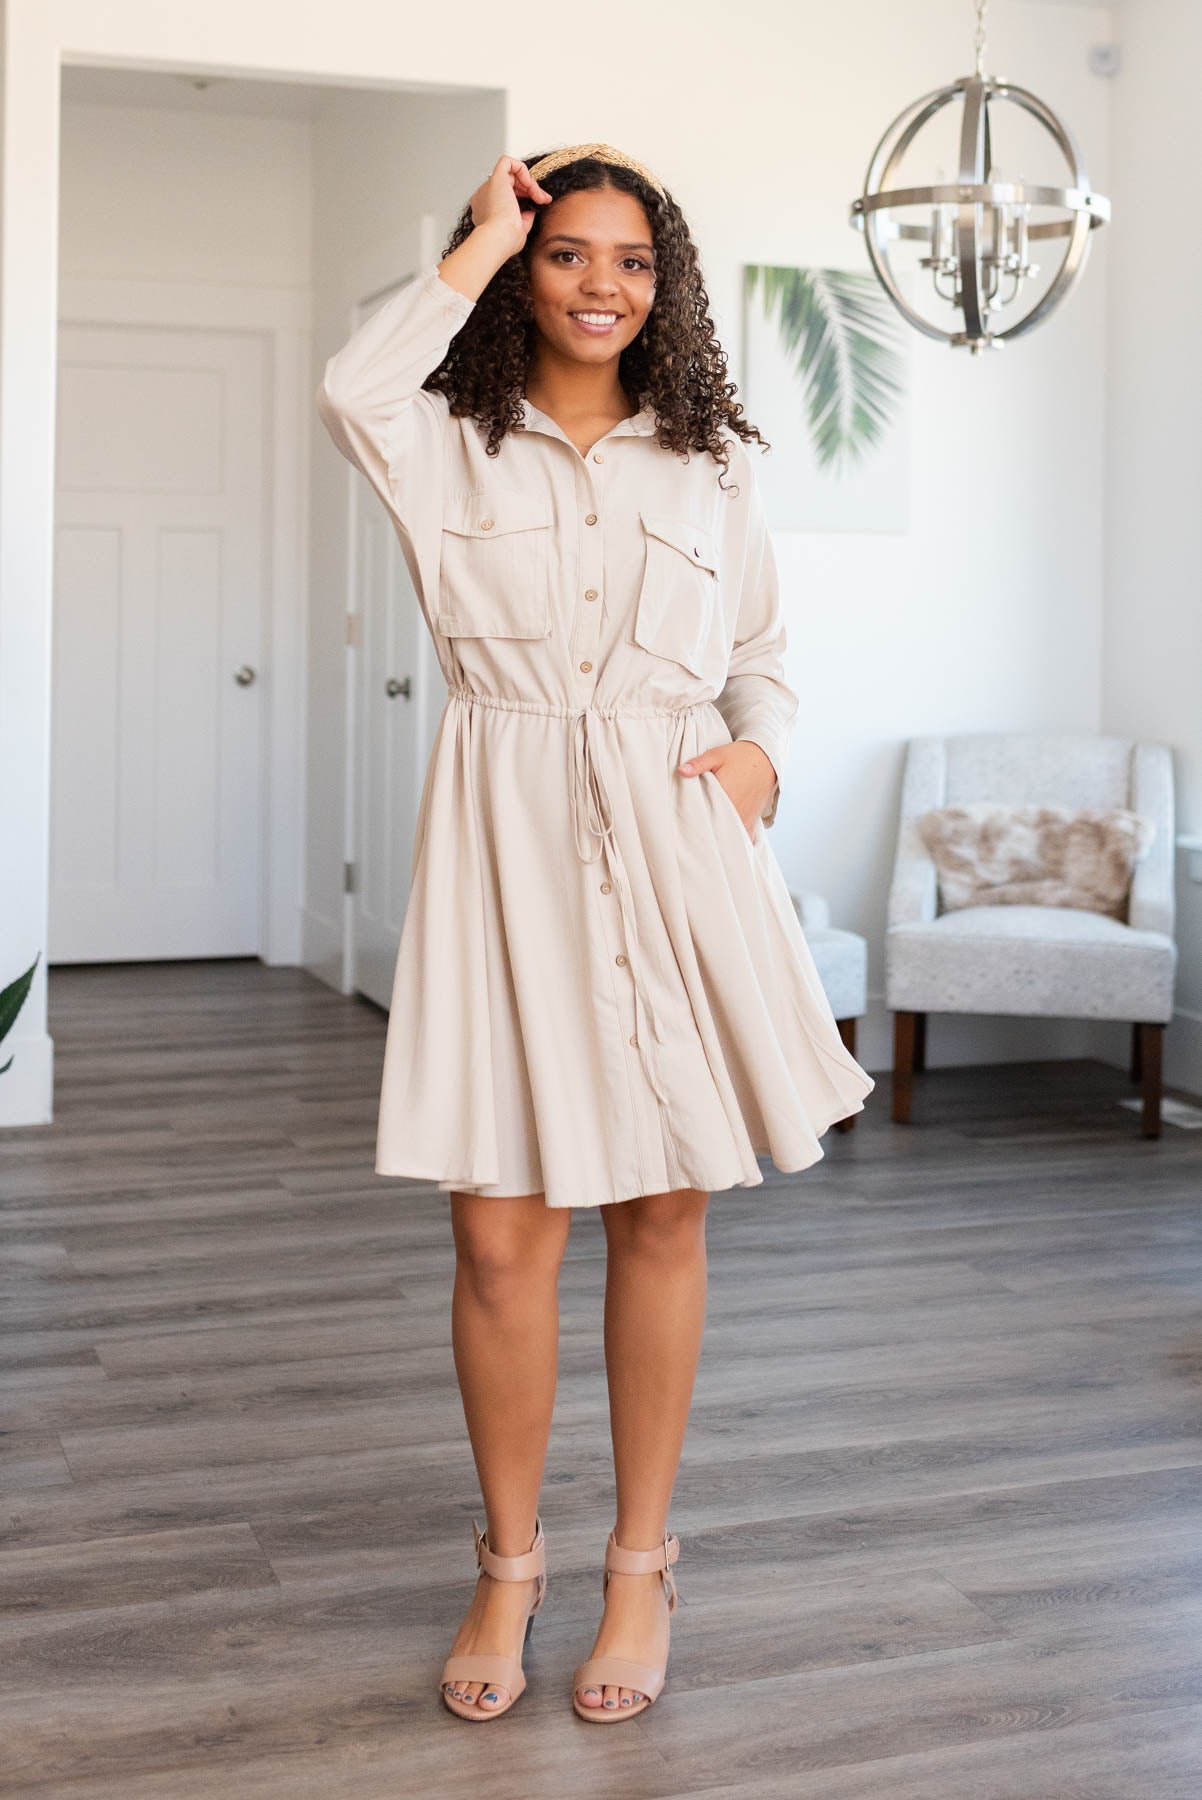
pixel 598 321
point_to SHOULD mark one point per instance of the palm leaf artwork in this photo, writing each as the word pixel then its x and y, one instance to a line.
pixel 12 999
pixel 842 337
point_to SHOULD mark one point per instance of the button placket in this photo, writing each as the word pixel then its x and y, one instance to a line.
pixel 591 581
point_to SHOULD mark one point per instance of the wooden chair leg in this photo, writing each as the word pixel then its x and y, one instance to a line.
pixel 847 1031
pixel 903 1066
pixel 1151 1038
pixel 920 1041
pixel 1136 1059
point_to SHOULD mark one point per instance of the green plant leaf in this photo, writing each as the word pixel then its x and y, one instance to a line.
pixel 843 339
pixel 12 999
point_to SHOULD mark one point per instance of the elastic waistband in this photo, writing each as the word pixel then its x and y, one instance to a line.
pixel 552 710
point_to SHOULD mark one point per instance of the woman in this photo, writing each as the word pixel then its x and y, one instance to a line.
pixel 603 996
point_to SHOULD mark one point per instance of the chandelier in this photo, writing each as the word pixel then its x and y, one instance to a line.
pixel 978 235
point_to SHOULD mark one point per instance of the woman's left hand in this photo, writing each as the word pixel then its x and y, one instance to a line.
pixel 744 771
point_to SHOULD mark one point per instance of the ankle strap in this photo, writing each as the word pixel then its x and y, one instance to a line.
pixel 532 1562
pixel 641 1562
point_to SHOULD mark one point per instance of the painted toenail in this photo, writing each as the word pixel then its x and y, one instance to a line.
pixel 490 1696
pixel 611 1703
pixel 625 1703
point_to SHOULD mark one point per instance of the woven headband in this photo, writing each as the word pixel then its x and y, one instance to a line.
pixel 603 152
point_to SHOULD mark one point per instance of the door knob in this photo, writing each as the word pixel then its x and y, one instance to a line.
pixel 393 687
pixel 244 675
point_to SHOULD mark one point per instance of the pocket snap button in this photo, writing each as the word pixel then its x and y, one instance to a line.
pixel 620 960
pixel 486 524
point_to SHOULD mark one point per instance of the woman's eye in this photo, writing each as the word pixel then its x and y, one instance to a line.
pixel 636 260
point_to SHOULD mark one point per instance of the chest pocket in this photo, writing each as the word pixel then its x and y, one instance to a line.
pixel 679 612
pixel 495 569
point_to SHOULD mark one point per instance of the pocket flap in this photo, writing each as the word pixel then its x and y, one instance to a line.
pixel 694 541
pixel 491 512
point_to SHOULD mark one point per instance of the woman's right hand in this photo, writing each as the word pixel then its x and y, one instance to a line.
pixel 496 203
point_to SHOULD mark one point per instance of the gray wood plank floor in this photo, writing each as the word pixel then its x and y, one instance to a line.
pixel 939 1505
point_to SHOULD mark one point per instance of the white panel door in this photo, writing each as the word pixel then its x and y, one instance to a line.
pixel 158 677
pixel 390 709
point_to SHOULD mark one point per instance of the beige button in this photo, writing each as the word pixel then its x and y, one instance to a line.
pixel 590 518
pixel 486 524
pixel 605 887
pixel 620 960
pixel 597 456
pixel 633 1038
pixel 585 667
pixel 590 593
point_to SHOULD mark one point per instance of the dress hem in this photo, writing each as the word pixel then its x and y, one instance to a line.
pixel 447 1182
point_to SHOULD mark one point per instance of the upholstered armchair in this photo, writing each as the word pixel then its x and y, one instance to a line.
pixel 1051 961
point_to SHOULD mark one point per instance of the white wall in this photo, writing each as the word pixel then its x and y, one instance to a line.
pixel 1152 666
pixel 161 195
pixel 988 613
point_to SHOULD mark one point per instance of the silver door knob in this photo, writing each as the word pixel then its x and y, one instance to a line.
pixel 244 675
pixel 393 687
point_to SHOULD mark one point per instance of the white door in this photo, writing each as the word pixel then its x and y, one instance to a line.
pixel 158 644
pixel 390 706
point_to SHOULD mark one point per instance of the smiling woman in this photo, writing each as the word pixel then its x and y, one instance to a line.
pixel 603 995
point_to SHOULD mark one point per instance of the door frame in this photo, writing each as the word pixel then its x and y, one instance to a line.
pixel 282 318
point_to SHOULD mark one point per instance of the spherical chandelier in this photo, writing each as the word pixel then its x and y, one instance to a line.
pixel 978 234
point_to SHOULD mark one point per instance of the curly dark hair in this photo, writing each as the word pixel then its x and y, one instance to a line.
pixel 676 363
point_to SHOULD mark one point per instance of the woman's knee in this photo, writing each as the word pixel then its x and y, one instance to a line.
pixel 659 1224
pixel 501 1244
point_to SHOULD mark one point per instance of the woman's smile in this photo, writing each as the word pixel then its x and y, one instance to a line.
pixel 597 323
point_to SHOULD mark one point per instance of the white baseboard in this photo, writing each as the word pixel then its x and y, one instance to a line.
pixel 27 1089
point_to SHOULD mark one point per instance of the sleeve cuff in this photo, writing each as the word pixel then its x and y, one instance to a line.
pixel 775 755
pixel 441 290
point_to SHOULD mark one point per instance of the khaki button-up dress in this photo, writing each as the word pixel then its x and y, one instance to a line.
pixel 602 988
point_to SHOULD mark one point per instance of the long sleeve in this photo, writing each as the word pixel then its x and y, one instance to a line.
pixel 756 702
pixel 371 398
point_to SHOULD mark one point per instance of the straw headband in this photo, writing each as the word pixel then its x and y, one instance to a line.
pixel 603 152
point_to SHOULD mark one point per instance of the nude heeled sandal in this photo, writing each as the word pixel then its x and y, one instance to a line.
pixel 491 1666
pixel 619 1671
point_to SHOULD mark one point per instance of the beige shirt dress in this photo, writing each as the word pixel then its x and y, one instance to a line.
pixel 602 989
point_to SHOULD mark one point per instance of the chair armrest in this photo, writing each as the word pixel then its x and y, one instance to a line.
pixel 1151 905
pixel 813 910
pixel 913 891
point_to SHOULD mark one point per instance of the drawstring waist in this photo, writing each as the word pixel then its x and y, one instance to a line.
pixel 592 808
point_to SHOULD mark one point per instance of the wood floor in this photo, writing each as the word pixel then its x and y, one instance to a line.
pixel 940 1506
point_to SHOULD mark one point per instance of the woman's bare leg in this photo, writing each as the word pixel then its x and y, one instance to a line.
pixel 655 1294
pixel 505 1337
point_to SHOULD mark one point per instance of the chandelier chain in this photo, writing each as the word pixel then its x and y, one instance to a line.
pixel 979 36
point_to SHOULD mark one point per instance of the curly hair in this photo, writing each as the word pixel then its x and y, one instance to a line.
pixel 676 363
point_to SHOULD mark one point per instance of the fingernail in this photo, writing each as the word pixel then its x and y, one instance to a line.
pixel 686 765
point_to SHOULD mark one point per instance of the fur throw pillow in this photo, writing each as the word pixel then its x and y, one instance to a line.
pixel 988 855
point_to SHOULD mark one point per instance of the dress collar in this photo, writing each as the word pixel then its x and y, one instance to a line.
pixel 639 424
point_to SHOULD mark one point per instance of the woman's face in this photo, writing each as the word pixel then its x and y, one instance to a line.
pixel 593 255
